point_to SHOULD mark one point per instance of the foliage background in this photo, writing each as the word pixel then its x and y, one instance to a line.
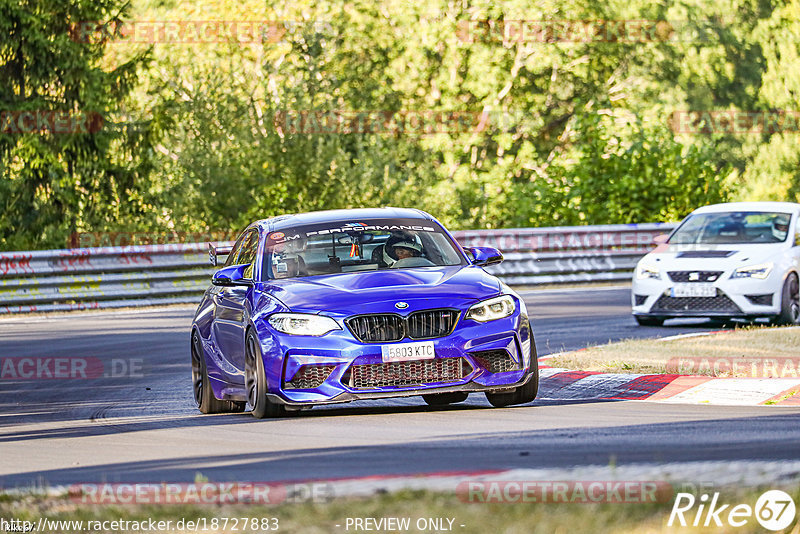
pixel 580 131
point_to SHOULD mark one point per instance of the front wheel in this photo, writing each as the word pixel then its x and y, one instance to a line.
pixel 790 302
pixel 255 381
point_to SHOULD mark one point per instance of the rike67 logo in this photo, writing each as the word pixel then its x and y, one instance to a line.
pixel 774 510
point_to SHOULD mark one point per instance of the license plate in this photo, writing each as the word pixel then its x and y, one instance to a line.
pixel 401 352
pixel 694 290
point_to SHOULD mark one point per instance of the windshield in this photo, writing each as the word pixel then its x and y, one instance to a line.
pixel 733 227
pixel 344 247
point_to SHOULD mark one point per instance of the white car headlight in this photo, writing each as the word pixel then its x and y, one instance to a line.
pixel 760 271
pixel 303 324
pixel 492 309
pixel 644 271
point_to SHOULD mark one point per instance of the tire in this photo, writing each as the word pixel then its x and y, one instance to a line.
pixel 255 381
pixel 204 398
pixel 523 394
pixel 790 302
pixel 648 321
pixel 441 399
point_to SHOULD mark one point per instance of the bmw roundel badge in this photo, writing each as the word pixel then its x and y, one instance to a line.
pixel 401 305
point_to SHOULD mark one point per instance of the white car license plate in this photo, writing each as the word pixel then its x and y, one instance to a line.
pixel 401 352
pixel 694 290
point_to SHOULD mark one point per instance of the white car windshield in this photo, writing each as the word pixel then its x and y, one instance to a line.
pixel 740 227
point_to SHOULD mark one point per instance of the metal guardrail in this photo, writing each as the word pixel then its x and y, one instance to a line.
pixel 567 254
pixel 111 277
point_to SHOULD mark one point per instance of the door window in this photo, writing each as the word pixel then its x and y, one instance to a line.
pixel 248 253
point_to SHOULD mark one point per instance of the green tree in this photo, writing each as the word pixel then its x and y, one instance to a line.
pixel 52 184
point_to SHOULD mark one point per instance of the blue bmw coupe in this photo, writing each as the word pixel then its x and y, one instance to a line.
pixel 336 306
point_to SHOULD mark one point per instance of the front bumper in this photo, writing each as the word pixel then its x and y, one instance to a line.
pixel 353 396
pixel 742 297
pixel 335 368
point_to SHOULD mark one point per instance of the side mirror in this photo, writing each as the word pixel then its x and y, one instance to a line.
pixel 483 256
pixel 660 239
pixel 232 275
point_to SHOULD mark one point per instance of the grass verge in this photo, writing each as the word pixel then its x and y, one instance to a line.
pixel 417 506
pixel 750 351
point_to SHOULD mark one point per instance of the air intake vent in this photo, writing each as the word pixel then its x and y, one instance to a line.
pixel 309 377
pixel 411 373
pixel 706 254
pixel 720 303
pixel 495 361
pixel 760 300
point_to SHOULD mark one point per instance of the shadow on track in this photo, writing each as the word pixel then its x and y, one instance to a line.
pixel 771 437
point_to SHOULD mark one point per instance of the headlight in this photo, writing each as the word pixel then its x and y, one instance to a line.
pixel 494 308
pixel 303 324
pixel 647 271
pixel 759 271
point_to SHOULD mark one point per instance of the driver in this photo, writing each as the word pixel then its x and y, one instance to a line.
pixel 401 246
pixel 287 261
pixel 780 227
pixel 407 249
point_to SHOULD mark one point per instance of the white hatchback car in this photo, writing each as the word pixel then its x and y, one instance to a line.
pixel 737 260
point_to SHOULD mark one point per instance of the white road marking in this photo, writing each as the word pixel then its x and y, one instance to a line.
pixel 734 391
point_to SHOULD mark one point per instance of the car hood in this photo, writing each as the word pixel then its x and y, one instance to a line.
pixel 377 291
pixel 712 257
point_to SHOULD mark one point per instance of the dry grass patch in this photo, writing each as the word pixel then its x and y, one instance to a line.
pixel 735 353
pixel 324 518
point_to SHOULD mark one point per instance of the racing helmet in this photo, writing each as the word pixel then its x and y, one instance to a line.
pixel 780 227
pixel 405 240
pixel 287 258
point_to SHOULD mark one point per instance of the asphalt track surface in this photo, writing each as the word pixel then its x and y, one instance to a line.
pixel 144 428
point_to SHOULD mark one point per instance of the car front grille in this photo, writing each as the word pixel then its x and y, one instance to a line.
pixel 376 328
pixel 410 373
pixel 720 303
pixel 699 276
pixel 495 361
pixel 429 324
pixel 387 327
pixel 309 377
